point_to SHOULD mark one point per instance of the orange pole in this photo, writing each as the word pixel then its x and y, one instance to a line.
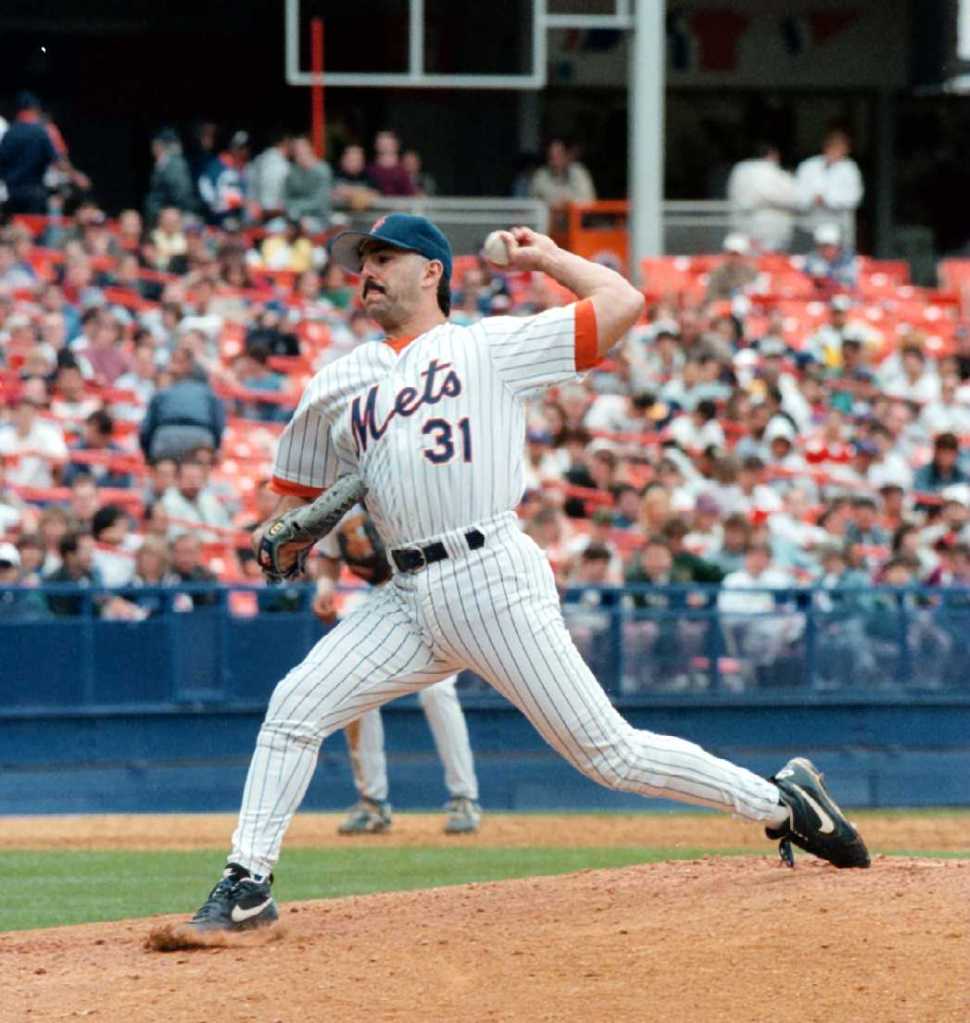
pixel 317 129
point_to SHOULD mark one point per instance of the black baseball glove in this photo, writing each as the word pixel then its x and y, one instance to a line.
pixel 286 541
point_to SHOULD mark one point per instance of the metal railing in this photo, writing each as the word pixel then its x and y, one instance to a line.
pixel 60 646
pixel 466 220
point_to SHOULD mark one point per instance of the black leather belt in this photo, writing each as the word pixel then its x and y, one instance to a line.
pixel 412 559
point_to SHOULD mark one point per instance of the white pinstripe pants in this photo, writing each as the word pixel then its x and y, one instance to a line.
pixel 496 611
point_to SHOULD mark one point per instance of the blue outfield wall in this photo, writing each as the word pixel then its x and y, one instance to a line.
pixel 161 715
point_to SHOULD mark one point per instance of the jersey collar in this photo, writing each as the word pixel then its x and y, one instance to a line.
pixel 399 343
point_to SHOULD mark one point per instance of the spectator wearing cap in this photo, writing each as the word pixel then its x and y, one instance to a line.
pixel 542 463
pixel 830 186
pixel 98 430
pixel 763 198
pixel 942 470
pixel 183 416
pixel 825 345
pixel 222 182
pixel 386 172
pixel 252 372
pixel 16 603
pixel 26 153
pixel 170 184
pixel 306 190
pixel 34 447
pixel 832 265
pixel 735 274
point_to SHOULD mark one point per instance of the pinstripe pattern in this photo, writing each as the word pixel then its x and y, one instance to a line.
pixel 495 610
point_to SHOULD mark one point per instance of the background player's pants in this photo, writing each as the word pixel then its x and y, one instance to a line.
pixel 495 610
pixel 446 720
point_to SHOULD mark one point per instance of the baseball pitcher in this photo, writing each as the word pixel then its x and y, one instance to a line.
pixel 431 423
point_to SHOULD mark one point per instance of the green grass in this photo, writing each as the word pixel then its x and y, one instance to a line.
pixel 51 888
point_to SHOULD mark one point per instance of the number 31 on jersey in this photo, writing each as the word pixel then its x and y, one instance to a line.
pixel 442 435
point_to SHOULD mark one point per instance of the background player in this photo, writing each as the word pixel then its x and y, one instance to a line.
pixel 357 543
pixel 433 421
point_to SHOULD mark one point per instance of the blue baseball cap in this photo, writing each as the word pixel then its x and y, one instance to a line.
pixel 399 230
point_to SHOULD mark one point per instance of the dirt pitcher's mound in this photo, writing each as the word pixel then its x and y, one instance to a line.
pixel 704 941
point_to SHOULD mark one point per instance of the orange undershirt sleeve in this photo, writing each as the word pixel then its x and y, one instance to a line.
pixel 587 350
pixel 288 488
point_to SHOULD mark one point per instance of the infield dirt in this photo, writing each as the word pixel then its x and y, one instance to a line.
pixel 730 940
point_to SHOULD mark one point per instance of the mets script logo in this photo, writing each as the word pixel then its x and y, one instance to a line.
pixel 440 381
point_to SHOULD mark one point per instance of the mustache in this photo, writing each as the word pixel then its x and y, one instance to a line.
pixel 371 285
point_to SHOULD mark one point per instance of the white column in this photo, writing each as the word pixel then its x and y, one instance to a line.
pixel 648 56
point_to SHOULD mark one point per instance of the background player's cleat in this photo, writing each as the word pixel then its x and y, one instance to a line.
pixel 816 824
pixel 237 903
pixel 368 817
pixel 464 816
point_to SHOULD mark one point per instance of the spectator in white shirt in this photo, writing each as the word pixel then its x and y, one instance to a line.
pixel 946 414
pixel 756 629
pixel 38 447
pixel 188 504
pixel 916 379
pixel 830 184
pixel 267 176
pixel 697 430
pixel 763 198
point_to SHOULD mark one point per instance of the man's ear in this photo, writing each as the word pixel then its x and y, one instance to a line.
pixel 429 271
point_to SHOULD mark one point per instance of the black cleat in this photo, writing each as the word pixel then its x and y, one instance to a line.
pixel 237 903
pixel 816 824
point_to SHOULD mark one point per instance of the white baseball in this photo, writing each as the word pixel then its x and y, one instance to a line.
pixel 495 249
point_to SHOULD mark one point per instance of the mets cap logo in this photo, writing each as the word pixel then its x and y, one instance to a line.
pixel 378 224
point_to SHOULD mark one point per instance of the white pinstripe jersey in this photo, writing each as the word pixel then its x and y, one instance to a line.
pixel 436 425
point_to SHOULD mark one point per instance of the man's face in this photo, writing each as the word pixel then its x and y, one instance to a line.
pixel 85 554
pixel 84 500
pixel 185 554
pixel 386 143
pixel 656 560
pixel 191 481
pixel 756 561
pixel 24 415
pixel 391 285
pixel 734 539
pixel 593 571
pixel 352 161
pixel 836 147
pixel 557 155
pixel 945 458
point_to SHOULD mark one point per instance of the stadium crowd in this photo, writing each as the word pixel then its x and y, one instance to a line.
pixel 773 422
